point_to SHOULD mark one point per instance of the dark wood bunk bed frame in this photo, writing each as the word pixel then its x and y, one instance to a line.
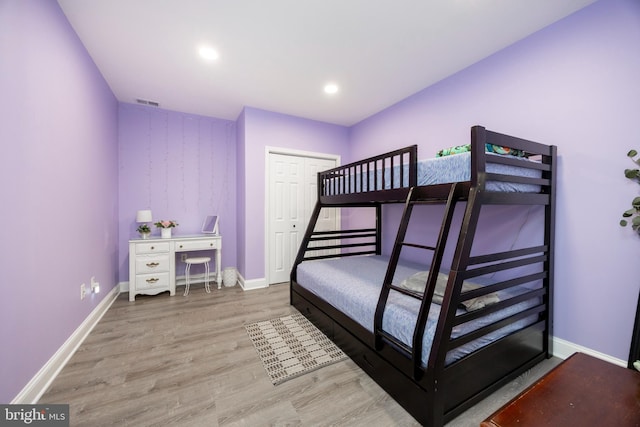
pixel 438 393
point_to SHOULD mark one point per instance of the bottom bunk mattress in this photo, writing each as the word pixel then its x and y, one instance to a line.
pixel 352 285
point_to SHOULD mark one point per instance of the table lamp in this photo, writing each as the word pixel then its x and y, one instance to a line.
pixel 142 218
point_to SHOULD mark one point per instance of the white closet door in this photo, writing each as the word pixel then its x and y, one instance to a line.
pixel 328 217
pixel 287 209
pixel 292 197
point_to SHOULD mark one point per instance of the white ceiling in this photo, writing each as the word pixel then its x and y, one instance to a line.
pixel 278 54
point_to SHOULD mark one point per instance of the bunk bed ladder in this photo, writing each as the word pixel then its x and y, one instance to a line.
pixel 413 198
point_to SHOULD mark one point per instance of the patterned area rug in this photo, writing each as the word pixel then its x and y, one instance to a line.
pixel 291 346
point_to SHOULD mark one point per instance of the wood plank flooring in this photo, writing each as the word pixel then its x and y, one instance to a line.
pixel 187 361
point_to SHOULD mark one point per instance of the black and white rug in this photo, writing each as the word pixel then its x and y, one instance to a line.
pixel 291 346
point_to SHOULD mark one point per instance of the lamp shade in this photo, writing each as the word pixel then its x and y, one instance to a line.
pixel 144 216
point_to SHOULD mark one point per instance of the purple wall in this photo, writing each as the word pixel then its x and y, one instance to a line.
pixel 58 130
pixel 266 129
pixel 182 167
pixel 574 84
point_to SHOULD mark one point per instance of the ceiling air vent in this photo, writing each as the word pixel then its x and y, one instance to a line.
pixel 147 102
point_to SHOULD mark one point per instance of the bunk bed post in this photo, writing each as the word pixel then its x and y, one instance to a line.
pixel 439 349
pixel 549 239
pixel 413 166
pixel 378 228
pixel 460 262
pixel 478 163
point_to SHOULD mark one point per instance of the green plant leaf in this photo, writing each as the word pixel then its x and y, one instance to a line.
pixel 631 173
pixel 634 213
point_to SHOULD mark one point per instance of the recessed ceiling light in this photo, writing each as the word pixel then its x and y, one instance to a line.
pixel 208 53
pixel 331 88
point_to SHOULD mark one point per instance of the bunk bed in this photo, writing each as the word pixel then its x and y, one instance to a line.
pixel 438 335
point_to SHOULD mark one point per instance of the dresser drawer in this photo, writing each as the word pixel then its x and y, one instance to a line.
pixel 152 247
pixel 194 245
pixel 152 263
pixel 154 280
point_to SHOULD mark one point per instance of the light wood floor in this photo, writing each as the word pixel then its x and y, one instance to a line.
pixel 188 361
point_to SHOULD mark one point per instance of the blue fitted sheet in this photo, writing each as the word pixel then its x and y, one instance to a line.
pixel 352 285
pixel 439 170
pixel 457 168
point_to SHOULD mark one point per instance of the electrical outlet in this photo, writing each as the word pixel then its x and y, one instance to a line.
pixel 95 286
pixel 183 257
pixel 83 291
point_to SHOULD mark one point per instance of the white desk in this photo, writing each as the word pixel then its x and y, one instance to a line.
pixel 152 262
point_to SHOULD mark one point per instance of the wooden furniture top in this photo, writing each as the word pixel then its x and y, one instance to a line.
pixel 581 391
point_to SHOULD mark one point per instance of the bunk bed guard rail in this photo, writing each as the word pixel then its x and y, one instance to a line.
pixel 386 178
pixel 392 173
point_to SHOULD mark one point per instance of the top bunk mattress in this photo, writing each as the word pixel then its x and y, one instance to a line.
pixel 457 168
pixel 352 285
pixel 433 171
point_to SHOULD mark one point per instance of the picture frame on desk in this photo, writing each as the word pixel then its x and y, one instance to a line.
pixel 210 225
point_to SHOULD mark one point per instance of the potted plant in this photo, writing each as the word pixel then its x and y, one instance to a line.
pixel 165 227
pixel 144 231
pixel 632 215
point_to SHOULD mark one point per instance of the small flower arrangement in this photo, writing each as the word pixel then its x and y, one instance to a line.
pixel 144 228
pixel 166 224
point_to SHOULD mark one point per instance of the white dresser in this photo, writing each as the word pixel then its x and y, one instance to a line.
pixel 152 262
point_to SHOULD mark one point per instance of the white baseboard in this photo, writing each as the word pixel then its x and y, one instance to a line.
pixel 248 285
pixel 32 392
pixel 564 349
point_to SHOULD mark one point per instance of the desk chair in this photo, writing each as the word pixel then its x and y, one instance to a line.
pixel 197 260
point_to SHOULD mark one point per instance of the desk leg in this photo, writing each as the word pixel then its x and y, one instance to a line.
pixel 219 267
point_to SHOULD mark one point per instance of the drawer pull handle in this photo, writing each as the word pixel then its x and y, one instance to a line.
pixel 153 247
pixel 152 264
pixel 180 246
pixel 210 244
pixel 152 280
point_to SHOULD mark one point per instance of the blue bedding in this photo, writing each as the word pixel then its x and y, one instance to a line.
pixel 457 168
pixel 352 285
pixel 440 170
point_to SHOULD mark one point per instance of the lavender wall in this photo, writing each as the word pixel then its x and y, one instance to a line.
pixel 182 167
pixel 58 130
pixel 266 129
pixel 573 84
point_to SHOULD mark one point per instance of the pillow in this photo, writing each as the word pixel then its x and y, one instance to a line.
pixel 489 148
pixel 418 281
pixel 454 150
pixel 507 151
